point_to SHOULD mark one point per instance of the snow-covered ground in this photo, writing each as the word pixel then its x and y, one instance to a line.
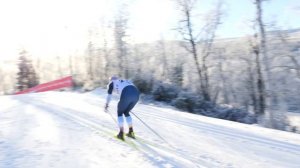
pixel 294 119
pixel 70 130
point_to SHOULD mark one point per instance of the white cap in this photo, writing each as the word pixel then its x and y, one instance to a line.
pixel 113 78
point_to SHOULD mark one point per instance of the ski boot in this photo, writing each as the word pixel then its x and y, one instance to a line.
pixel 121 136
pixel 130 133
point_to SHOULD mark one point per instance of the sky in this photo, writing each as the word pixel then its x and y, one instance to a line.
pixel 44 130
pixel 284 13
pixel 60 27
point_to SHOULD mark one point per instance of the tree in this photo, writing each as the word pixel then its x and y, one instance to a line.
pixel 192 38
pixel 219 52
pixel 26 77
pixel 177 74
pixel 90 60
pixel 260 82
pixel 71 65
pixel 258 47
pixel 250 79
pixel 292 52
pixel 105 51
pixel 120 33
pixel 59 68
pixel 163 62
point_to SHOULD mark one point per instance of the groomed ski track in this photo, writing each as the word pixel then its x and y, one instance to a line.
pixel 193 141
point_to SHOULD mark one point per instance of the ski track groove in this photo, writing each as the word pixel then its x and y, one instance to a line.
pixel 219 130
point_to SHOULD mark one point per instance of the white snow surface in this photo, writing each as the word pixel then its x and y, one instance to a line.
pixel 71 130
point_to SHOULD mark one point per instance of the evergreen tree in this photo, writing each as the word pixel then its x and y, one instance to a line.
pixel 26 77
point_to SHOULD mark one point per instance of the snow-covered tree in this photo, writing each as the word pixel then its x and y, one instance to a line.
pixel 121 36
pixel 204 37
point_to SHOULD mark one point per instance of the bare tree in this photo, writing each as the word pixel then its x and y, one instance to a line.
pixel 267 97
pixel 204 37
pixel 106 53
pixel 90 60
pixel 251 77
pixel 292 52
pixel 260 82
pixel 260 52
pixel 164 67
pixel 59 68
pixel 262 34
pixel 223 84
pixel 71 64
pixel 120 32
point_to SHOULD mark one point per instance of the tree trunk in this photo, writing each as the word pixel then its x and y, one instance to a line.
pixel 260 84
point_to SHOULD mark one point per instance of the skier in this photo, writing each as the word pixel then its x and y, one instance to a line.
pixel 129 96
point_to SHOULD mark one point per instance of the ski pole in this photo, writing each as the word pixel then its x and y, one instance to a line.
pixel 151 129
pixel 112 117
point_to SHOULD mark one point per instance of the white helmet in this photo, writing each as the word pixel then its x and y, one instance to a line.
pixel 113 78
